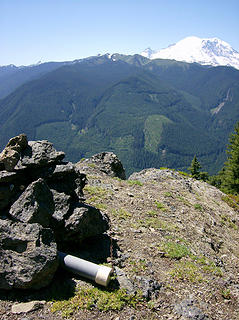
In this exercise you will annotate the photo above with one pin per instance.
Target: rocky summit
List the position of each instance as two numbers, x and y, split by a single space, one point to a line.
172 240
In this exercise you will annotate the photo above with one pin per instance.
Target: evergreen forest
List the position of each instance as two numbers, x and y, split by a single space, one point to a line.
150 113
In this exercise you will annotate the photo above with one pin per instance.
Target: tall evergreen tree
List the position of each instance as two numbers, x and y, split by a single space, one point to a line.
230 180
195 168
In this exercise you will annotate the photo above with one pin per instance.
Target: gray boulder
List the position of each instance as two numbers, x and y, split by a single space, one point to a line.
10 156
18 143
28 255
124 282
106 162
34 205
40 153
85 222
63 203
68 179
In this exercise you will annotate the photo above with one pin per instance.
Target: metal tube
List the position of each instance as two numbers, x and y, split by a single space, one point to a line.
99 274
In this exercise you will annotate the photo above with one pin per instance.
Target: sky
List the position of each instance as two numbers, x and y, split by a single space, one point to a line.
65 30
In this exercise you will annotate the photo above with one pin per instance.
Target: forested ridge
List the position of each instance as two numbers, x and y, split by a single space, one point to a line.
151 113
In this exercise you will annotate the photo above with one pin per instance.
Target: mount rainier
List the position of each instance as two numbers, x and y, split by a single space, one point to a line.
211 51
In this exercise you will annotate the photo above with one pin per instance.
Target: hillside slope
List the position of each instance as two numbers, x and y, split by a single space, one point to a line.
12 77
168 228
150 113
177 231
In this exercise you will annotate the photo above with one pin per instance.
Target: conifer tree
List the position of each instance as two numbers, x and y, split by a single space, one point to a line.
230 180
195 168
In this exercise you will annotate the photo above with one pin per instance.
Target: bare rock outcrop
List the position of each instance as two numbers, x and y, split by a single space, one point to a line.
105 162
40 208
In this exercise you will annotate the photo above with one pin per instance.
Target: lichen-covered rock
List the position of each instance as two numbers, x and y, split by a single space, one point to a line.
10 156
18 143
34 205
28 255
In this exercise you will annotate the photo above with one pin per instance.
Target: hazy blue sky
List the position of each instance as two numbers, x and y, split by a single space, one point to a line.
57 30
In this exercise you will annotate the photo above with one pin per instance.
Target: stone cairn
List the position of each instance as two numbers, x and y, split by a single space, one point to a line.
41 208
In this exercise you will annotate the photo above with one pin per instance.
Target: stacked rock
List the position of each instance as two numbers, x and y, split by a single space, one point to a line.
41 208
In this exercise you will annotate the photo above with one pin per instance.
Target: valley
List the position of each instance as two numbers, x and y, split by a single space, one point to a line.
151 113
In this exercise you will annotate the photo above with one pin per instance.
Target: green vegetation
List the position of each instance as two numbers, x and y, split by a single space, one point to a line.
189 267
160 206
198 206
134 182
153 128
138 266
167 194
152 213
185 174
187 270
185 201
195 269
156 223
232 201
100 206
174 250
121 214
195 170
226 293
97 196
95 298
230 176
226 220
207 265
97 191
92 165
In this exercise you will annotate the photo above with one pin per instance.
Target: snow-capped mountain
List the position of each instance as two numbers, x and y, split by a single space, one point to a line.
211 51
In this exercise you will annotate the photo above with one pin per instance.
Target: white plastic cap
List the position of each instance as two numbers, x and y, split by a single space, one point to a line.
103 275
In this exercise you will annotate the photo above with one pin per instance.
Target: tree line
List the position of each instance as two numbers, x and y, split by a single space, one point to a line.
228 177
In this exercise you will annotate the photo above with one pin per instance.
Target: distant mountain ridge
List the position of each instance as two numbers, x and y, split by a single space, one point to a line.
211 51
151 113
